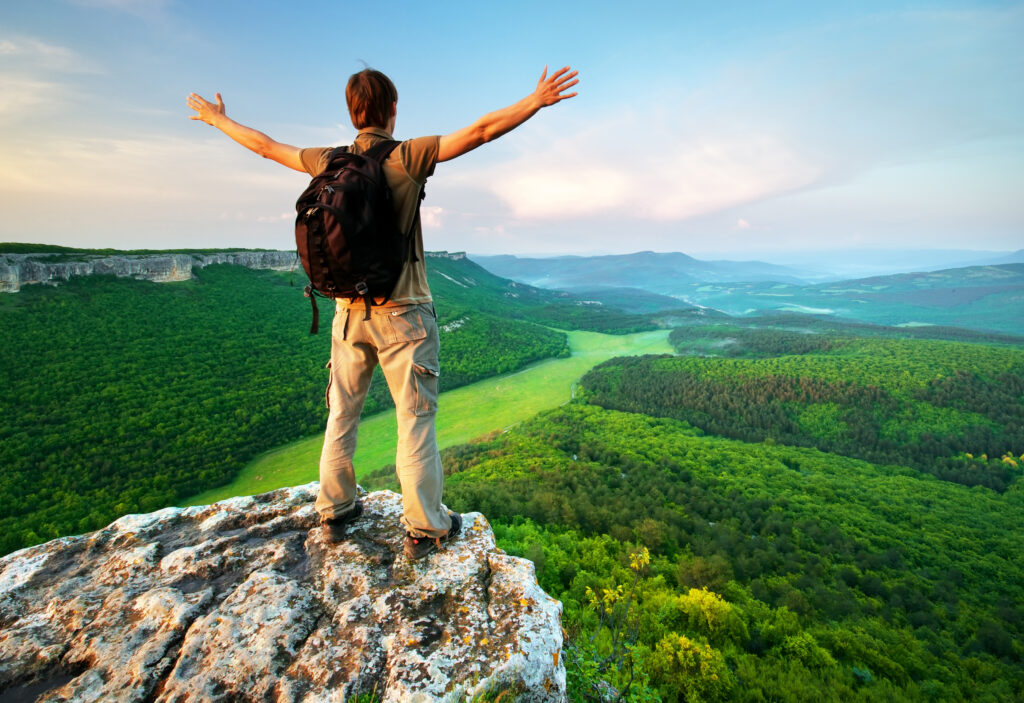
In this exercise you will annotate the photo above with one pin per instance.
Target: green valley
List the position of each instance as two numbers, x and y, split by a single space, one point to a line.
465 413
126 396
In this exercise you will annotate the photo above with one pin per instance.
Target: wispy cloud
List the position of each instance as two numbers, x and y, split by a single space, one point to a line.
22 53
812 111
432 216
37 74
673 175
159 178
20 94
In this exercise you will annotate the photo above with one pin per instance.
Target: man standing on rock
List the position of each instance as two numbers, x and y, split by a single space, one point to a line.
401 334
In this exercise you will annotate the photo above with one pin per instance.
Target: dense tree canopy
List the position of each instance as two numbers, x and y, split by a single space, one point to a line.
789 573
952 409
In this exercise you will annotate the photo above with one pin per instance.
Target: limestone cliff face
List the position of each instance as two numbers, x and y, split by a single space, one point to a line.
17 270
249 600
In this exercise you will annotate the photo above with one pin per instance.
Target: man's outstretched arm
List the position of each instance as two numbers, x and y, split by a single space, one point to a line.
492 125
284 154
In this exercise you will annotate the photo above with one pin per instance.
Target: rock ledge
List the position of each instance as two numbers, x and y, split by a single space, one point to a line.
17 270
248 599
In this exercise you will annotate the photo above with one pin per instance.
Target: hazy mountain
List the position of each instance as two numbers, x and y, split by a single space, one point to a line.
988 295
1016 257
662 273
975 297
844 264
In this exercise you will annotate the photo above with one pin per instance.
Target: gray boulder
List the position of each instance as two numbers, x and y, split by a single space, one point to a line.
249 600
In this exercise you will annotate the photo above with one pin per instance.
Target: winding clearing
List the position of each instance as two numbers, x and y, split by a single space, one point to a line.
465 413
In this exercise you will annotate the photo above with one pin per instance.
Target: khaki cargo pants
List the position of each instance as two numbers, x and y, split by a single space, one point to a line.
403 340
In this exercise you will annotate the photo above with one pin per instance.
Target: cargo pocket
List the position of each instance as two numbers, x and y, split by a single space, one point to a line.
330 380
406 324
340 320
426 390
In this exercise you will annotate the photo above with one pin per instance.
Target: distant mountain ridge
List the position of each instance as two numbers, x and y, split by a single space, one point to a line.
986 298
982 297
662 272
1016 257
652 271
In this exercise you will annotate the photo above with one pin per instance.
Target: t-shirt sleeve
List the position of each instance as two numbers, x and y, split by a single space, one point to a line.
314 160
419 156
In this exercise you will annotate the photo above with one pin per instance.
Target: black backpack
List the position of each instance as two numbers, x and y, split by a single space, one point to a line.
346 231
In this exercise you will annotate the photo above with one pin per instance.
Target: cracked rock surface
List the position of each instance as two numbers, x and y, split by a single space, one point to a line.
251 600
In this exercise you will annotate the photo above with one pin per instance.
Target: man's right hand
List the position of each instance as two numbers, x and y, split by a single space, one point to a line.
549 90
205 110
254 140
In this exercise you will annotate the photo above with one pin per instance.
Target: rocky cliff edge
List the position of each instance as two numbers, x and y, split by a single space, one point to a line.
249 599
17 270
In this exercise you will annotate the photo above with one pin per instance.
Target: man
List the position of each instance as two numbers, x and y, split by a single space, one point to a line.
401 335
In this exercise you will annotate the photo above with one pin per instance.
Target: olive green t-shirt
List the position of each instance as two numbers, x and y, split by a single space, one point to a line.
407 170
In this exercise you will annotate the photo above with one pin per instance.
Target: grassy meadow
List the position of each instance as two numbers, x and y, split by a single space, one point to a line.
465 413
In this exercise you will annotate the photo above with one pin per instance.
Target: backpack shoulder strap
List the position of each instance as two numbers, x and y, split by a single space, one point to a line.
381 150
334 154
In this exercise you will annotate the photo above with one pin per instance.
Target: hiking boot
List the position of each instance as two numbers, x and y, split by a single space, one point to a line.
335 526
419 547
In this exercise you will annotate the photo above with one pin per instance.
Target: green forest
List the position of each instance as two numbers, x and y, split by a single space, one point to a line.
951 409
125 396
775 573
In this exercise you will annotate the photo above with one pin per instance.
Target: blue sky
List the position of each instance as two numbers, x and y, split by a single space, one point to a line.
730 129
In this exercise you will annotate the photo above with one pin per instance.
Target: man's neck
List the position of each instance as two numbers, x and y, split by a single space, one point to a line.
377 131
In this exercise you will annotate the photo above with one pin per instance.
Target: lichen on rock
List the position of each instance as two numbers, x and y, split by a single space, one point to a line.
249 599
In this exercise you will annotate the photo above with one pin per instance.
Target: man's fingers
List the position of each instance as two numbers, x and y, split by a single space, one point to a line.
565 79
554 85
566 86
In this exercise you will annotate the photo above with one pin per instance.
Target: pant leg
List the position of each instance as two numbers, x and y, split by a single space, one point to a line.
351 368
410 365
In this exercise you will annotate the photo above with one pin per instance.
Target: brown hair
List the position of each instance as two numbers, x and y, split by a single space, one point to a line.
371 97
